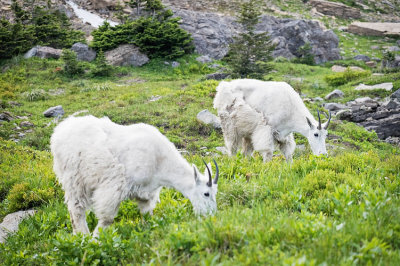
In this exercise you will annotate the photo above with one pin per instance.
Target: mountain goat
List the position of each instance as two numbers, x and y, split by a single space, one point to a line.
242 124
282 109
100 163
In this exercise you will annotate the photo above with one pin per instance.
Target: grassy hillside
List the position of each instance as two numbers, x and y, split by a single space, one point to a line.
342 209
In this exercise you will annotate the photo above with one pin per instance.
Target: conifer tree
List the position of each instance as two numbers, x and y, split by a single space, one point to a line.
249 53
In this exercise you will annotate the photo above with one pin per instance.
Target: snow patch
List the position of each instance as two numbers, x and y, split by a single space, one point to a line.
88 17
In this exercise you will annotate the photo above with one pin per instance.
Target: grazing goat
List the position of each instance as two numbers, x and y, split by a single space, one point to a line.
242 124
100 163
282 109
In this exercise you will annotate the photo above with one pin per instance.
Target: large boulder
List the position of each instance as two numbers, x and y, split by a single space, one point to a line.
382 117
212 33
126 55
43 52
83 52
335 9
375 28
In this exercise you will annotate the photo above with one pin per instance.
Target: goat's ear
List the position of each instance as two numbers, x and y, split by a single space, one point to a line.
196 174
309 123
205 170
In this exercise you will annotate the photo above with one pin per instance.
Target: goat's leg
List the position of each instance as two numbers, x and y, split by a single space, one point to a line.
106 206
231 145
287 146
247 147
263 141
77 216
148 205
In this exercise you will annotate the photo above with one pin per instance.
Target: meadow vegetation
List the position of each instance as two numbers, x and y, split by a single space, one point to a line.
336 210
342 209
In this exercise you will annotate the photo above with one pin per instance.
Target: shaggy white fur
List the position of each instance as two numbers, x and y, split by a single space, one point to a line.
100 163
274 106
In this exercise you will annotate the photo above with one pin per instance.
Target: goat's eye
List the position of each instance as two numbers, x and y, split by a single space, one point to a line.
207 194
316 134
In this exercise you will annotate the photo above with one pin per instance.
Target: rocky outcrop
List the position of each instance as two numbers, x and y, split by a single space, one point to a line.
43 52
83 52
391 63
382 117
126 55
213 32
375 29
335 9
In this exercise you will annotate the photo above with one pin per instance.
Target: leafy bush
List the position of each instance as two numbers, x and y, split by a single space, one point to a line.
101 67
342 78
156 36
305 55
41 26
72 66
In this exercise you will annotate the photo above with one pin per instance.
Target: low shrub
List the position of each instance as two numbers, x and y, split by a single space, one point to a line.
342 78
156 36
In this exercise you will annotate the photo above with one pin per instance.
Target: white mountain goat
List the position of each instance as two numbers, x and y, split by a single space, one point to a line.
242 124
100 163
281 107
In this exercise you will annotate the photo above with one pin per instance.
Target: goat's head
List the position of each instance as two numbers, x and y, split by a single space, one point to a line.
204 193
317 135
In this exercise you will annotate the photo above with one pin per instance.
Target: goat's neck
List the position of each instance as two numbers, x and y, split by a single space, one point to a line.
181 179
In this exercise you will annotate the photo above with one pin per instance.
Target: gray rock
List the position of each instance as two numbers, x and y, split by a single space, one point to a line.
318 99
208 118
43 52
54 111
222 150
383 118
334 94
371 63
398 42
388 86
175 64
393 49
126 55
204 59
83 52
343 114
391 64
213 32
335 9
26 124
217 76
6 116
11 222
375 47
362 57
396 95
335 106
392 104
337 68
365 100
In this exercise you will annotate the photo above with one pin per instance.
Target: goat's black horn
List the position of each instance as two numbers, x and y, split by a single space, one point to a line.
319 120
216 172
209 183
329 120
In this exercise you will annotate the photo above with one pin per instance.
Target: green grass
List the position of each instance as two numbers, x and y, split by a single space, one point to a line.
342 209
